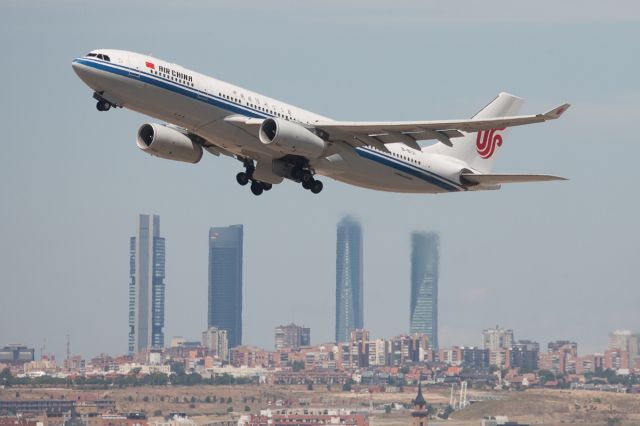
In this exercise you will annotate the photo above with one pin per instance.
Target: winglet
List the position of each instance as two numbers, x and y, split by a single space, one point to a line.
556 112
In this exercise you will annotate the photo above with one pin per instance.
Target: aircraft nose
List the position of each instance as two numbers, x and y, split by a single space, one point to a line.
75 65
82 71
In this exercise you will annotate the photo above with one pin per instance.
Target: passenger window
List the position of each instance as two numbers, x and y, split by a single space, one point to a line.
106 58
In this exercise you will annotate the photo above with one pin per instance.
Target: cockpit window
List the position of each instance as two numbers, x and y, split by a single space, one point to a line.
91 55
101 56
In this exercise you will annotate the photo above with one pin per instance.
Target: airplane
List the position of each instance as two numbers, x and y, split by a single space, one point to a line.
277 141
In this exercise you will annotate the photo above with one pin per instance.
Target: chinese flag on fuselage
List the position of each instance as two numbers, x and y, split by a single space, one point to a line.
150 65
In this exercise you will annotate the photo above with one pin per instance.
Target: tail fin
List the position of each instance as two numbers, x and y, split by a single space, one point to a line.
478 149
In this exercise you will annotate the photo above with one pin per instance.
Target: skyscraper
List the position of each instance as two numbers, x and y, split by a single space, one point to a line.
349 309
225 281
146 285
424 285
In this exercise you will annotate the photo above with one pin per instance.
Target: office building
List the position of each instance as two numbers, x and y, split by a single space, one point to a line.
627 341
16 354
349 287
424 285
216 342
146 285
225 281
524 355
475 358
292 336
497 338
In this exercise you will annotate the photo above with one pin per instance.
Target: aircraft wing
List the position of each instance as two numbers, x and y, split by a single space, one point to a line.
497 179
378 133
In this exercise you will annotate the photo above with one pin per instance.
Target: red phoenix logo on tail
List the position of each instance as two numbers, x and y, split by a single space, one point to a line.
487 141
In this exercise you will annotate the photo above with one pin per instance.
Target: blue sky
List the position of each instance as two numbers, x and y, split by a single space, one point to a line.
550 260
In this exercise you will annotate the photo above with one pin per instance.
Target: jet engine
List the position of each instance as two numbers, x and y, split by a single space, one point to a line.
291 138
165 142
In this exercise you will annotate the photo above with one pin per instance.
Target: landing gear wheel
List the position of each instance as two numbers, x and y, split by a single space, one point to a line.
256 188
103 106
267 186
242 178
307 184
317 186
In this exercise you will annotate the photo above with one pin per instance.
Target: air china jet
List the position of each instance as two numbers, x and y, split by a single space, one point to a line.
275 140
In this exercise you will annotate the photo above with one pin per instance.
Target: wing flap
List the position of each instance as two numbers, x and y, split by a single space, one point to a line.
497 179
426 130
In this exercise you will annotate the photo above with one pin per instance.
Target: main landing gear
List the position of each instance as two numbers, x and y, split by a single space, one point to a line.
257 187
307 180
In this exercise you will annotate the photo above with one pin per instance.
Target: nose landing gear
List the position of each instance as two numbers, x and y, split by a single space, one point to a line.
102 104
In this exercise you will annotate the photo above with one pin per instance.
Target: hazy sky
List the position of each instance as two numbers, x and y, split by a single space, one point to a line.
550 260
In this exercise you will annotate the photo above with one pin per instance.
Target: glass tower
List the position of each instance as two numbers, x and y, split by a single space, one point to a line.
146 285
225 281
349 312
424 285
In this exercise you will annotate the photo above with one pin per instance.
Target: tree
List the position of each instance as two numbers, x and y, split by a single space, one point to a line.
146 398
546 376
347 387
207 400
247 408
229 409
6 378
177 368
229 400
310 386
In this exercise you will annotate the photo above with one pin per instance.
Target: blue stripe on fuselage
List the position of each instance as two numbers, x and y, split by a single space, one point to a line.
394 163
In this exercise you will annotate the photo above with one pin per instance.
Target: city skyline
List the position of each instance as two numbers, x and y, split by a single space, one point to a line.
146 285
515 257
349 278
225 281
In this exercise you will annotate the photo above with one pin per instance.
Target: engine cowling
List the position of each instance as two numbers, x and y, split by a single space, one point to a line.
165 142
287 137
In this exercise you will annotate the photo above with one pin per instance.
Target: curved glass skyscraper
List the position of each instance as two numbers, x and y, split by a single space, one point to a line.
424 285
349 312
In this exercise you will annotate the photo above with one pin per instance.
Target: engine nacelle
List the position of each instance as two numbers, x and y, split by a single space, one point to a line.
165 142
287 137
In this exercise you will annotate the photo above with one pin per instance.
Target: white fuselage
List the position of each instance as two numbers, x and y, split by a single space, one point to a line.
200 104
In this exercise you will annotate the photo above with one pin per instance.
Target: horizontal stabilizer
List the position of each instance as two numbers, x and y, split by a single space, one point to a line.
494 179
